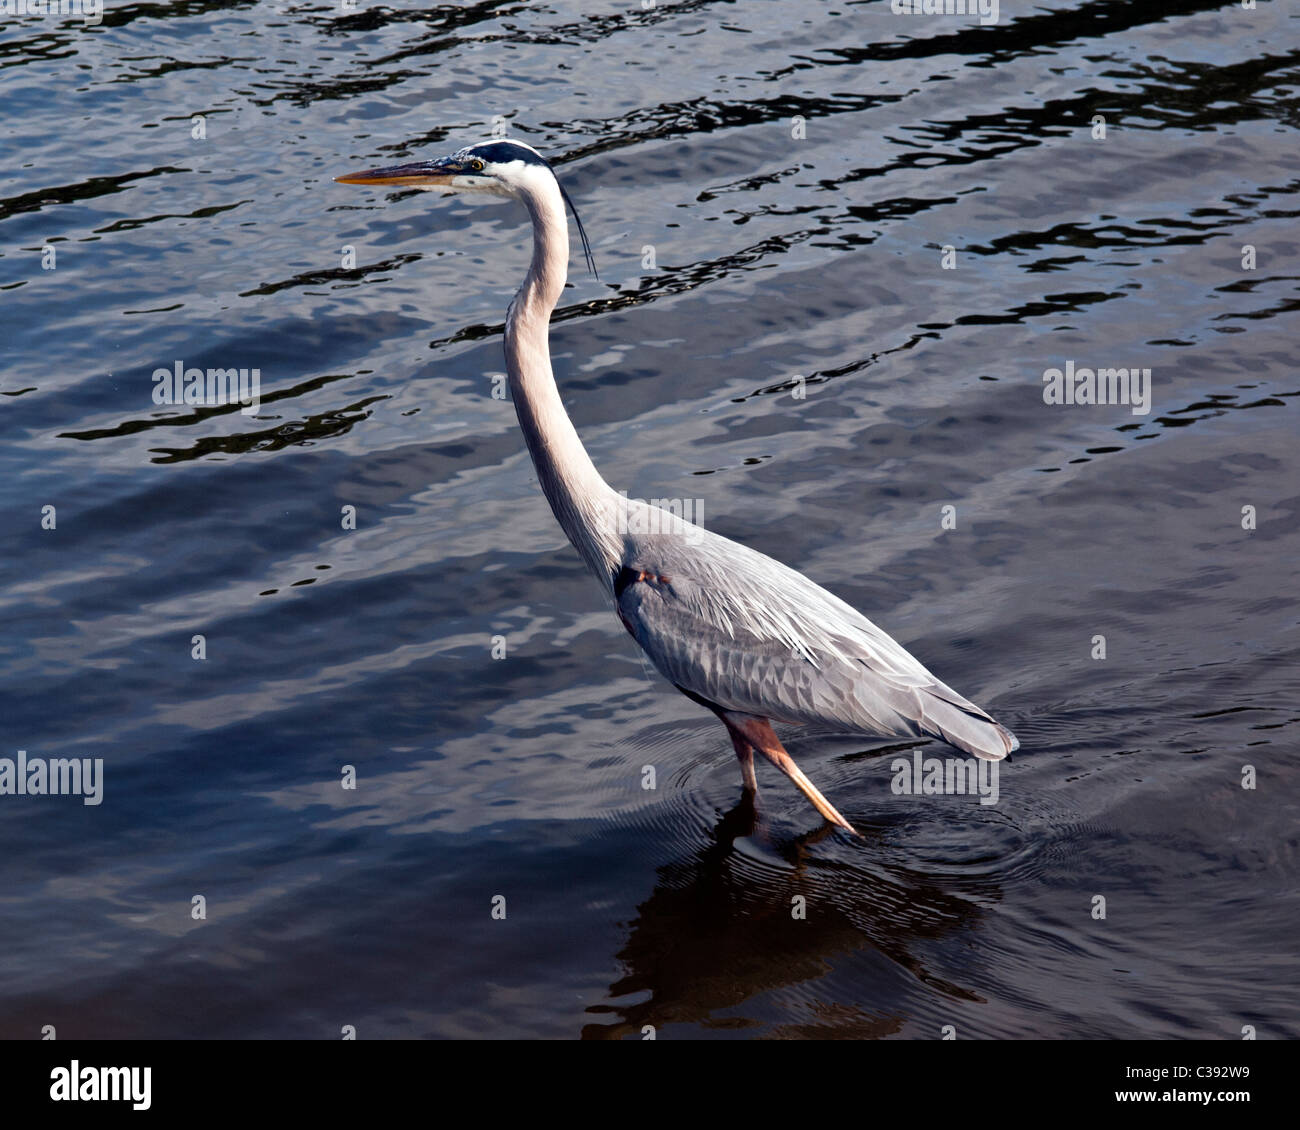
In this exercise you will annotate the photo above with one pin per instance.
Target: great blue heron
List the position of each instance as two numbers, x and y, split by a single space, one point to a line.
732 629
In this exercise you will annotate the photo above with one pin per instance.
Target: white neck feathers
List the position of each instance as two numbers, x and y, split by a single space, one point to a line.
584 504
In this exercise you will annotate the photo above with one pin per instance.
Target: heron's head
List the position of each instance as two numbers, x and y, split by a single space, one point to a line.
495 168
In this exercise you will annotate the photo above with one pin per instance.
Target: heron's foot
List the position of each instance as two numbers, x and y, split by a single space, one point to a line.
826 828
749 734
785 763
768 745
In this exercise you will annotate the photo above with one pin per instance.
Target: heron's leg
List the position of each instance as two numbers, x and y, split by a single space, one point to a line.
745 752
760 735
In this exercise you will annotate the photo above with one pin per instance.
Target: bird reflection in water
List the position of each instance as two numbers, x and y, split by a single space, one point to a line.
718 931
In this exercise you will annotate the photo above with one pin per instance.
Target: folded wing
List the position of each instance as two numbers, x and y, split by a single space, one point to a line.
741 630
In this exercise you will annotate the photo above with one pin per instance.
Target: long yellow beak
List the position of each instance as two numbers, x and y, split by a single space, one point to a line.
412 176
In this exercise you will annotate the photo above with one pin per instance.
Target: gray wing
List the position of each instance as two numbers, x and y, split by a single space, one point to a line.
741 630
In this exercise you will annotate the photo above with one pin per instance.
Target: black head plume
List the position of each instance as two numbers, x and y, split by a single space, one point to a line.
586 247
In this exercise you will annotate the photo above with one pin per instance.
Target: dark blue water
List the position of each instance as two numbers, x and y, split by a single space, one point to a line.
780 251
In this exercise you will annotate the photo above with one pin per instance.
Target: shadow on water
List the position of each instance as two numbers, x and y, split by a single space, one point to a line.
726 925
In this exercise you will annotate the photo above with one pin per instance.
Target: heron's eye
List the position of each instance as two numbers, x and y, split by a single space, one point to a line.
476 165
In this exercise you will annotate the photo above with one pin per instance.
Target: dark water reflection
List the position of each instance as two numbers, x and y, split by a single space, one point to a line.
780 264
726 926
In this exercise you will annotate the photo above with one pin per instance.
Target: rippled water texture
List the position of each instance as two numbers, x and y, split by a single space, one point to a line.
735 257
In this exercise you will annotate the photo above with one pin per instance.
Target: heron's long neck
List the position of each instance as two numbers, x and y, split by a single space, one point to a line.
583 502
